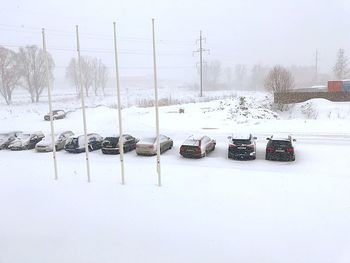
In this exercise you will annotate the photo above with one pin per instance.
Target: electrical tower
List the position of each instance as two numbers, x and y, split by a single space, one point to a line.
200 51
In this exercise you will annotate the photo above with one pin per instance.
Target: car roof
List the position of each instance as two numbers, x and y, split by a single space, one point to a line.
193 140
281 137
241 136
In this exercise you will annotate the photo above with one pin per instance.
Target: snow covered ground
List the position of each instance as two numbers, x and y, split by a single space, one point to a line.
208 210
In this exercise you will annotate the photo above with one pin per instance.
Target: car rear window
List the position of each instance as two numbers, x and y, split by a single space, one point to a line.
112 139
280 143
241 141
192 142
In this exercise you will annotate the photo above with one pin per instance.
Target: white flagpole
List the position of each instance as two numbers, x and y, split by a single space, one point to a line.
50 105
156 105
83 106
121 147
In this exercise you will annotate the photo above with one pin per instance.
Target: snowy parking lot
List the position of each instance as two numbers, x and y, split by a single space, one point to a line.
208 210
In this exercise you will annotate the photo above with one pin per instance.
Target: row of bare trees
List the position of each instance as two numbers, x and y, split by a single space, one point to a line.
94 75
26 69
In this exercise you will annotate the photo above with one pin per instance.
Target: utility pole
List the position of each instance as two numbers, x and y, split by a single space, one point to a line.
200 50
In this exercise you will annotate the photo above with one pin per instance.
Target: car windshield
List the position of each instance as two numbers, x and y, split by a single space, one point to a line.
281 143
112 139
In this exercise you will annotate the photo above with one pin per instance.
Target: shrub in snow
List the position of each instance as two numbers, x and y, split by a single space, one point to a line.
309 110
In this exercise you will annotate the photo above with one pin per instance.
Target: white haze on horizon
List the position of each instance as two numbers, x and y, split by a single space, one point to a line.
237 32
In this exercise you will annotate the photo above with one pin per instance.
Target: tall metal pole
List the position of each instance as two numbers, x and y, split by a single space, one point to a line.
121 147
83 107
201 63
316 66
50 105
156 104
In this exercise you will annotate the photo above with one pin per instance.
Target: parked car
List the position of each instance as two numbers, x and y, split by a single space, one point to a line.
197 147
77 144
148 146
45 145
110 145
280 149
7 138
242 147
56 115
26 141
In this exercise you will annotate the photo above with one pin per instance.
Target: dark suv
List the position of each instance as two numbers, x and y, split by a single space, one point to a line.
110 145
242 147
280 149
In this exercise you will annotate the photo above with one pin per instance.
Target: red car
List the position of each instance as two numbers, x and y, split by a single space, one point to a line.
197 147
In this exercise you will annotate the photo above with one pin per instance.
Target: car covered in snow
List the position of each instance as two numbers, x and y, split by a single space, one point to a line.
7 138
110 145
197 147
56 115
76 144
148 146
242 147
280 148
26 141
45 145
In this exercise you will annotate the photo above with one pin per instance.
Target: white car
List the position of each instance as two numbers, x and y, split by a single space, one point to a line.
26 141
45 145
148 146
7 138
56 115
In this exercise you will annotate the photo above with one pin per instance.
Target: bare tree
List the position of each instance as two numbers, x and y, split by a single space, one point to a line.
258 75
88 74
33 70
211 73
241 72
103 75
72 74
279 79
340 68
9 73
228 75
100 76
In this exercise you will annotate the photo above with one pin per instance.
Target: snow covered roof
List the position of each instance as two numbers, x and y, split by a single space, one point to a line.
241 136
281 137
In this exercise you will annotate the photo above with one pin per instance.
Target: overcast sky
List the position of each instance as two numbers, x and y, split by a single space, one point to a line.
237 31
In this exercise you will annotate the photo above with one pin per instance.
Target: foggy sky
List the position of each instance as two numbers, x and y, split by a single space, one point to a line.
237 32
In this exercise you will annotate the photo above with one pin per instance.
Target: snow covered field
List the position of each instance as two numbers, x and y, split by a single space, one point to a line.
208 210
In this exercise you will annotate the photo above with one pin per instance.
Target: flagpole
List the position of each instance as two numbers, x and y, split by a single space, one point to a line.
83 107
50 105
156 105
121 143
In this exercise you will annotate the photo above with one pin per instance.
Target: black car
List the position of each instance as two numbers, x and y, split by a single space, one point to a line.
242 147
56 115
110 145
280 149
77 144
